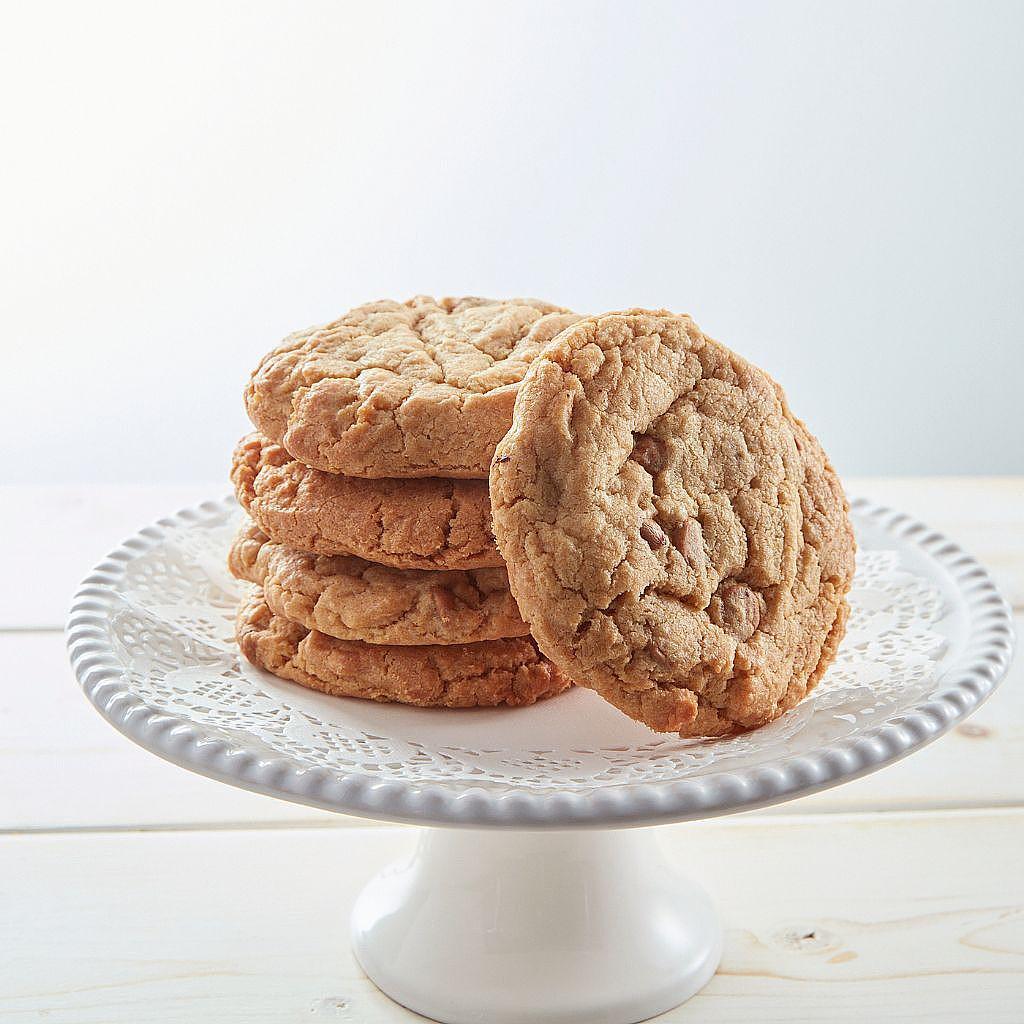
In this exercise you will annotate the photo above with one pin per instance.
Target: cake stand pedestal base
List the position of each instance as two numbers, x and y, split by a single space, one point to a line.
506 927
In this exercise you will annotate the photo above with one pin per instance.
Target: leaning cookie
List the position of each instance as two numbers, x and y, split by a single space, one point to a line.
412 524
489 674
674 536
402 389
352 599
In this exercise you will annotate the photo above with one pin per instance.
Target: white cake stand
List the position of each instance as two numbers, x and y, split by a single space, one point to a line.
541 906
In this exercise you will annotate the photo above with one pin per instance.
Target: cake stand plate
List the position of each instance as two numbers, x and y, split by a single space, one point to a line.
540 902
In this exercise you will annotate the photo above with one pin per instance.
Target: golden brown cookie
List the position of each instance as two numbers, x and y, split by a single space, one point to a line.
675 538
412 524
487 674
352 599
402 389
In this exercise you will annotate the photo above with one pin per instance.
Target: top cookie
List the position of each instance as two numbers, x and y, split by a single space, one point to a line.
402 389
674 537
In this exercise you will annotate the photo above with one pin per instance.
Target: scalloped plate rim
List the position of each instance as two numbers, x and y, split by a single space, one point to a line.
971 679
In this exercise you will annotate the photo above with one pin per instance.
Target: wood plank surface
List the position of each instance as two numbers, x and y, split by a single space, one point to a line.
899 917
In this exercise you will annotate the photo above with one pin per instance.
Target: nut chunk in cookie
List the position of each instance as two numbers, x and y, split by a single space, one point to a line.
675 538
402 389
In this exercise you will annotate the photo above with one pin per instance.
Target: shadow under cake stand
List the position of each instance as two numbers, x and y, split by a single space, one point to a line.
532 896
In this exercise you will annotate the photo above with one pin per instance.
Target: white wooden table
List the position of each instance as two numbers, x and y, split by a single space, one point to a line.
131 890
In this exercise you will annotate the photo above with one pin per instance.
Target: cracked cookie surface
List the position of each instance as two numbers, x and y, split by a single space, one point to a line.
674 536
412 524
402 389
352 599
487 674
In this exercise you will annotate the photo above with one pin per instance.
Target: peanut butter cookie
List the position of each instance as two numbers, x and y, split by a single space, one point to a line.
413 524
674 536
402 389
487 674
352 599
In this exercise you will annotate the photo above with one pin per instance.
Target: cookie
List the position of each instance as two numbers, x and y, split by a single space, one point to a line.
412 524
402 389
486 674
352 599
674 536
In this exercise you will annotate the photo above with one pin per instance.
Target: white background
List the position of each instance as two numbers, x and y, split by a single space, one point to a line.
833 189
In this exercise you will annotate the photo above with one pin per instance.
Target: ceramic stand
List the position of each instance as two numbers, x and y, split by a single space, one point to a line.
582 927
529 899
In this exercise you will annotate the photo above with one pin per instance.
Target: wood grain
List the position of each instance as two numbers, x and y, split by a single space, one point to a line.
845 918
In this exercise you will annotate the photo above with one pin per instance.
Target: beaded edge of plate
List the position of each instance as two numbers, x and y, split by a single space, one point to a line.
971 679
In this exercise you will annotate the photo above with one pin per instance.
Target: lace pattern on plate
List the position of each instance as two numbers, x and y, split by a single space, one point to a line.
174 636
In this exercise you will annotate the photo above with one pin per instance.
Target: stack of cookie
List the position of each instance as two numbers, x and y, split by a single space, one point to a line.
369 545
665 530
